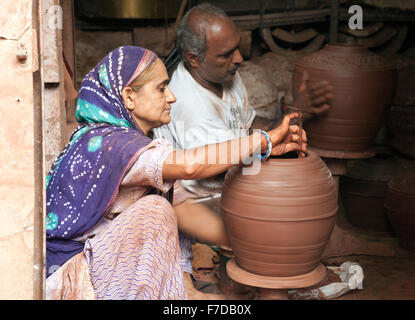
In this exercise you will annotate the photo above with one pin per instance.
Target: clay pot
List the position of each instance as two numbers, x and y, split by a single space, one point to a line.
401 125
280 220
363 89
363 191
400 206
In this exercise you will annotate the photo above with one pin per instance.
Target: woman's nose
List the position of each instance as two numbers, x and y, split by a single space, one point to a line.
170 98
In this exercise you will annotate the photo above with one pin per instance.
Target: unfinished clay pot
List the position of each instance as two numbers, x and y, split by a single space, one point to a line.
280 220
401 129
363 89
363 191
400 205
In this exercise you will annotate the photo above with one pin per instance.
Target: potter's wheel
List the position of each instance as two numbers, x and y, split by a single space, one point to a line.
275 287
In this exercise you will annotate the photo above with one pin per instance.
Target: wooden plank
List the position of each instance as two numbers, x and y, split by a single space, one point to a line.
250 22
52 40
55 123
334 21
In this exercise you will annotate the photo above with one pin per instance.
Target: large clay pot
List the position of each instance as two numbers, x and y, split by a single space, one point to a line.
400 205
363 89
280 220
363 191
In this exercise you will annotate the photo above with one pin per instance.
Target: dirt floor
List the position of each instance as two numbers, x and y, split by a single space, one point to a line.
387 276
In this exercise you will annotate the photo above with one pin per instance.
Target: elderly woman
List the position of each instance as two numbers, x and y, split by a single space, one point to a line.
112 231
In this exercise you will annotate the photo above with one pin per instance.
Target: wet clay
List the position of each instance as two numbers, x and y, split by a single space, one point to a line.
280 220
400 206
363 89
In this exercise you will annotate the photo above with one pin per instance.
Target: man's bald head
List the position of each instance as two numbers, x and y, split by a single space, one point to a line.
191 34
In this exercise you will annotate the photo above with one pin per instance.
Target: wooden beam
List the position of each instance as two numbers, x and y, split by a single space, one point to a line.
334 21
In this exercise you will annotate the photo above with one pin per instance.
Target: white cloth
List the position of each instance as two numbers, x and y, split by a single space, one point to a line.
199 117
351 276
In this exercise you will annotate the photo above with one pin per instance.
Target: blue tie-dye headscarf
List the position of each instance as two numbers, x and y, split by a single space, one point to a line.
85 177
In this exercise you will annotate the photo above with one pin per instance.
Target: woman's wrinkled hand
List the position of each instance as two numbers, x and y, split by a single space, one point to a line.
286 137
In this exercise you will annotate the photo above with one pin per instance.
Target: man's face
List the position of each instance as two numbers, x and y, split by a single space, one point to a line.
222 56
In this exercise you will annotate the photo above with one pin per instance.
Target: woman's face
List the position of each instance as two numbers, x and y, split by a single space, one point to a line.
150 105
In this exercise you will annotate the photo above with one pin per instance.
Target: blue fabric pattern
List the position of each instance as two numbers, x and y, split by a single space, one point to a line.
85 177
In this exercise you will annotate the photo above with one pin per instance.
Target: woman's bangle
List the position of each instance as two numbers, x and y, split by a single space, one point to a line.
269 146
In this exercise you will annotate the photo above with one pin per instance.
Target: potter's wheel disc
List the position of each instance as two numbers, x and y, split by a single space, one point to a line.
302 281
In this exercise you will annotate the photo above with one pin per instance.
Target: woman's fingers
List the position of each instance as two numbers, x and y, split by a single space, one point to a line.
288 117
296 138
289 146
294 129
283 130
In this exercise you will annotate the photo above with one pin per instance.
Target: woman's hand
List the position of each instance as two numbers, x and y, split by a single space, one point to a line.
207 161
286 137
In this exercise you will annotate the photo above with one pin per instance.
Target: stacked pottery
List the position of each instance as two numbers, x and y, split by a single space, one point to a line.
363 191
363 90
401 117
400 206
280 220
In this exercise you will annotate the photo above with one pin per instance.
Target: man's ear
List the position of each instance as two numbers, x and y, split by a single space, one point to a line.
126 94
192 59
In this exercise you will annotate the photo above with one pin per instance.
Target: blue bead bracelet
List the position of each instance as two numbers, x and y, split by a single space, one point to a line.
269 146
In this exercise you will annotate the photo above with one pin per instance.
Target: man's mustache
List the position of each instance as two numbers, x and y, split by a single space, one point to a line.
234 68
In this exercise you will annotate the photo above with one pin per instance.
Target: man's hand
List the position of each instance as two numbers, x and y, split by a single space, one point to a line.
315 99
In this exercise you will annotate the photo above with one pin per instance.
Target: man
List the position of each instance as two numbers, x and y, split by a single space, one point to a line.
212 104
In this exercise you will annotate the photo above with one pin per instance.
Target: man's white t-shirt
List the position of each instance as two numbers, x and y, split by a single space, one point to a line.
199 117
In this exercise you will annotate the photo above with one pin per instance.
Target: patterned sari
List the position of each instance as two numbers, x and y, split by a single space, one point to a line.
137 256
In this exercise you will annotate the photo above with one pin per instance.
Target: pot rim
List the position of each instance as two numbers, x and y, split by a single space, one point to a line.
309 155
